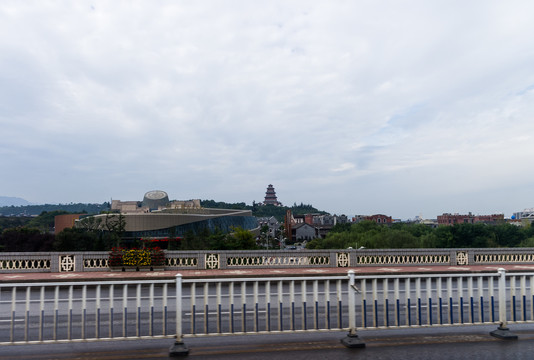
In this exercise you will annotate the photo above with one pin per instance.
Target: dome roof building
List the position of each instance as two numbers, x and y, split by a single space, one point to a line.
155 199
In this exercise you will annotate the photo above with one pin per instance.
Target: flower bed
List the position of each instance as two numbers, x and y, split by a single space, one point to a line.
138 259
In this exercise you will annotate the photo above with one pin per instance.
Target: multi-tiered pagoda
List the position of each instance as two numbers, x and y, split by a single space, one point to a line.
270 197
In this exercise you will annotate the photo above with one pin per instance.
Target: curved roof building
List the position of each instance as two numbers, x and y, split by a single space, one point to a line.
157 217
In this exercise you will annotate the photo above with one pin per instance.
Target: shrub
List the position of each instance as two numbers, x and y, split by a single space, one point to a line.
136 257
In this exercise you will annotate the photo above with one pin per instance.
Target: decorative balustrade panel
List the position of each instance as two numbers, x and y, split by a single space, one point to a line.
91 261
504 258
181 262
21 264
29 262
67 263
277 260
403 259
96 263
342 259
462 258
212 261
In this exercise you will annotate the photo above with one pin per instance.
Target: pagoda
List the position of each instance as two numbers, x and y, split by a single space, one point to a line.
270 197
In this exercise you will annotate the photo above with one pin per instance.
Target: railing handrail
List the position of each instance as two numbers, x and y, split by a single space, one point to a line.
442 275
264 279
84 282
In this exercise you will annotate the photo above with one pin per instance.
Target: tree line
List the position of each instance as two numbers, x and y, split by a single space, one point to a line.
260 210
238 239
35 234
35 210
25 233
413 236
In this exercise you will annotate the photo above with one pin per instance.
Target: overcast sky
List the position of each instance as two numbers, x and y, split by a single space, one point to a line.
402 108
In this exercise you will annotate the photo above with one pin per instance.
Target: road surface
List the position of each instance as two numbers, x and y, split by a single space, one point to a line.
414 344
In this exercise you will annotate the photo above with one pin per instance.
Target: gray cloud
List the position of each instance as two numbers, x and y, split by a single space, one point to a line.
355 107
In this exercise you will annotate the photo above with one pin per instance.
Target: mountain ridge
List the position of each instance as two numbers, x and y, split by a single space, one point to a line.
13 201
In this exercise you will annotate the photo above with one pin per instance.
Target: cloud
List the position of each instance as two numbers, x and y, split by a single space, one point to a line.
343 167
327 101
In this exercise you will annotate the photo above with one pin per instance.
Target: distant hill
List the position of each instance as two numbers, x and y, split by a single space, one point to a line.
13 201
34 210
258 210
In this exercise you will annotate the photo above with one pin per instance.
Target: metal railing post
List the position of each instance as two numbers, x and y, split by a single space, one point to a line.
352 340
502 331
502 298
352 304
178 348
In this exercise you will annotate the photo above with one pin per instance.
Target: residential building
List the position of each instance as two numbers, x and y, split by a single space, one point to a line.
272 224
329 220
379 219
303 232
358 218
453 219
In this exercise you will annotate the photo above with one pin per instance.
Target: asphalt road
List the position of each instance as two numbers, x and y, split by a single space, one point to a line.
414 344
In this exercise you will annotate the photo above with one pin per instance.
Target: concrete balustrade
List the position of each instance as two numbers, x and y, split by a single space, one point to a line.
202 260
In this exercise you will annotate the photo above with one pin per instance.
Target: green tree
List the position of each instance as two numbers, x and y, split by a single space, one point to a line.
444 238
332 241
374 236
217 240
340 227
7 222
45 221
508 235
72 239
470 235
429 241
26 239
241 239
528 242
115 225
90 223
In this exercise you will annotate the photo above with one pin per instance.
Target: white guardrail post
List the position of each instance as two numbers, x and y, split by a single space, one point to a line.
352 340
178 348
502 331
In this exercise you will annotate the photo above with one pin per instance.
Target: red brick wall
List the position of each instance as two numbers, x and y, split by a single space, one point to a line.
380 219
61 222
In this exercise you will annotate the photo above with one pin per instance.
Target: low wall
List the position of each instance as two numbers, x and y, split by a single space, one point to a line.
202 260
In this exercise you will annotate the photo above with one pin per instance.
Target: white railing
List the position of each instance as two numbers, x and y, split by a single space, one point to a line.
91 311
239 306
400 301
86 311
